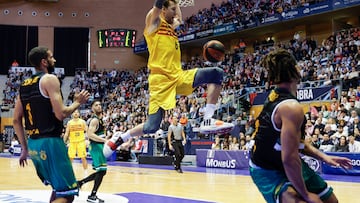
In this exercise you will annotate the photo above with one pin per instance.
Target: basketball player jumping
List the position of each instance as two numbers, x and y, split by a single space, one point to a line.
167 78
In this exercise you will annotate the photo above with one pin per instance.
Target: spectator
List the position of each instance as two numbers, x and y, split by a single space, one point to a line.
354 146
183 120
315 141
249 142
225 144
234 144
309 128
353 115
243 144
15 64
14 142
318 124
326 144
217 144
340 132
342 146
248 130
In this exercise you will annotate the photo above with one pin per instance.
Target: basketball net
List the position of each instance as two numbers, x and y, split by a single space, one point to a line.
186 3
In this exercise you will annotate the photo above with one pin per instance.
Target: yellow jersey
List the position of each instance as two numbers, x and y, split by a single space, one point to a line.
164 50
167 78
76 130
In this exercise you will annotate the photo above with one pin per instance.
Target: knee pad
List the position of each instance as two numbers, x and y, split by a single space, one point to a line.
210 75
218 75
150 128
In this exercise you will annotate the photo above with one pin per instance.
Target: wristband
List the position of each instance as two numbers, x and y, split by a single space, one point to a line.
159 4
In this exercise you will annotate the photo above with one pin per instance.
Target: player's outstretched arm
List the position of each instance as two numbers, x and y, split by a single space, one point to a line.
51 87
331 160
291 116
92 129
20 132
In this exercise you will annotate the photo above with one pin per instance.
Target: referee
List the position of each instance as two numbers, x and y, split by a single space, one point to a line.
177 140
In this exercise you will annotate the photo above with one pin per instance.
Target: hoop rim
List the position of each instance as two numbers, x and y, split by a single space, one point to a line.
186 3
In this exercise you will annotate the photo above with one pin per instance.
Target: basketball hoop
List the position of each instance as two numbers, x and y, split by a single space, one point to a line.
186 3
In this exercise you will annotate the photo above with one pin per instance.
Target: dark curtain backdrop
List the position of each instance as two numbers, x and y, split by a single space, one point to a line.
15 43
71 48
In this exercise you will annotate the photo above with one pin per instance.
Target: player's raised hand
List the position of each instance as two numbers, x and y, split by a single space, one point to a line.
82 97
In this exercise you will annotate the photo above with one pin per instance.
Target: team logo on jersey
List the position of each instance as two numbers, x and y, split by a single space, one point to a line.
313 163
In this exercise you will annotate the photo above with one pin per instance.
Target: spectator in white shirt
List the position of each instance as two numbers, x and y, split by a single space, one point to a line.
354 146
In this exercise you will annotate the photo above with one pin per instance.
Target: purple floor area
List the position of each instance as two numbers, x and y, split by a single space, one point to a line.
150 198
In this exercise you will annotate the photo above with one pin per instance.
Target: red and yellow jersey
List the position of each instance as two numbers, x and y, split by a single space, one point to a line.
166 79
76 130
164 50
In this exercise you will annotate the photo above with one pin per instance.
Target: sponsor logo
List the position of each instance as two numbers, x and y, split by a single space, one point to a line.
290 14
204 33
186 37
213 163
220 164
355 162
305 94
210 154
270 19
313 163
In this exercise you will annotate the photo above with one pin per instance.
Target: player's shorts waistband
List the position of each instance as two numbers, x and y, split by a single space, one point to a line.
43 136
252 165
156 72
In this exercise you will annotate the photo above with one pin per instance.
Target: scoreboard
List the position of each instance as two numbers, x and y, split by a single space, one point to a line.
116 38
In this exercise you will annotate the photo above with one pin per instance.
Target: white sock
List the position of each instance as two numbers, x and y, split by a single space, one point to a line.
126 136
209 110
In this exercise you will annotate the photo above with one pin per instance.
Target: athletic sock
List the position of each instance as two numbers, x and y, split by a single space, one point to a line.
209 111
93 193
126 136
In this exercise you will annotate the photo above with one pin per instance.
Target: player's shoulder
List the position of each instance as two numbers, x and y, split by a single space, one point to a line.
93 120
50 76
291 106
50 79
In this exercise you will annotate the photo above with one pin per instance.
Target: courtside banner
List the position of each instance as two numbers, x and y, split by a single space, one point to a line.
227 159
355 161
271 19
320 7
344 3
303 95
140 47
184 38
205 33
224 29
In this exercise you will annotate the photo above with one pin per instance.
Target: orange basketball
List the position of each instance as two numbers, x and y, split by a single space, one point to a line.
214 51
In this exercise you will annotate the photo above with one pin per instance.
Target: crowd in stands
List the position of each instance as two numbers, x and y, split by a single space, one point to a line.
335 60
242 12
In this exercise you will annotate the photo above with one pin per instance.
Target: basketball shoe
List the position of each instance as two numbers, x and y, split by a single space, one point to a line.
94 199
111 145
209 126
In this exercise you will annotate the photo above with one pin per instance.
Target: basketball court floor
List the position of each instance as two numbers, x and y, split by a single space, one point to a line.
140 183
